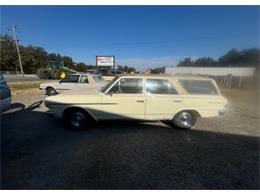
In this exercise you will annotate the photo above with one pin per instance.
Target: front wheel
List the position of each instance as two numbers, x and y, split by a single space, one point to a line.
184 119
77 119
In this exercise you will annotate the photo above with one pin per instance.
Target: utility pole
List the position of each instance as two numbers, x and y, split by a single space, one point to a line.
17 48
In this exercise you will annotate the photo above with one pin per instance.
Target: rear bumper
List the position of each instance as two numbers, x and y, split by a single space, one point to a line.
221 112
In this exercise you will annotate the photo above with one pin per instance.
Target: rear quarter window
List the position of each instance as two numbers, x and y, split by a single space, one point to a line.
199 87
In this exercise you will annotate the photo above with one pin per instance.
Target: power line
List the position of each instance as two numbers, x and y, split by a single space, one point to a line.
182 40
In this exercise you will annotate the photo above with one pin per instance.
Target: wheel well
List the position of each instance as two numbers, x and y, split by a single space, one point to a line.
193 111
73 109
49 87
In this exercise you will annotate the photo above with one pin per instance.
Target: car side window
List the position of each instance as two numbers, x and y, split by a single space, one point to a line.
199 87
159 86
128 86
70 79
84 79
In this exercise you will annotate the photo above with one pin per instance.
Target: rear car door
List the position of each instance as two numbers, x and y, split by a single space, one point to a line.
162 99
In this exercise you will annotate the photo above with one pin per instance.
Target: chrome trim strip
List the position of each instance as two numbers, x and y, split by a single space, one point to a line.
49 103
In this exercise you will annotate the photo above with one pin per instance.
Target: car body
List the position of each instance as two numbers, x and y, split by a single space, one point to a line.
89 82
143 97
5 95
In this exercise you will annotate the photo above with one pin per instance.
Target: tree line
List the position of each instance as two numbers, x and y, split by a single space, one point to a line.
233 58
33 57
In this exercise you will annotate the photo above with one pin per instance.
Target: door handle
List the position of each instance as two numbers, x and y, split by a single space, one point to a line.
140 101
177 100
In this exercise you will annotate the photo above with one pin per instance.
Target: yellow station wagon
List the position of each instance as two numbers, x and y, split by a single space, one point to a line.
142 97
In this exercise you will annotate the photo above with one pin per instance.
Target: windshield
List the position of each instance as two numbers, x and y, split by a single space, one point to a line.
103 90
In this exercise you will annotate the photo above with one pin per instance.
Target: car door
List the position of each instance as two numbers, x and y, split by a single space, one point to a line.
83 82
68 83
124 100
162 100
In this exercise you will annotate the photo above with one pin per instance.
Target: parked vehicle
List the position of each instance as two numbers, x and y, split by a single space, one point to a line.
74 81
179 100
109 74
5 95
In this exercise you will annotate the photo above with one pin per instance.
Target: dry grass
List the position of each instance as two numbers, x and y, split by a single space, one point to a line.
246 100
24 88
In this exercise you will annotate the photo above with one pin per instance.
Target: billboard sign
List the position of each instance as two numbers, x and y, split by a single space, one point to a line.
105 60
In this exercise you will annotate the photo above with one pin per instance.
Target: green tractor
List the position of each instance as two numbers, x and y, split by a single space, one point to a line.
54 71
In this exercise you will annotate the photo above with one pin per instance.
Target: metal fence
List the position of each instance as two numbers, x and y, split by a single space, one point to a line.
235 82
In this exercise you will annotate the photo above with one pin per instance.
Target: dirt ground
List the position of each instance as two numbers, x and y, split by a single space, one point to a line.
37 152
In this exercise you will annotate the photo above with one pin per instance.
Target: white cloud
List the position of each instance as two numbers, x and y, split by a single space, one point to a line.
143 63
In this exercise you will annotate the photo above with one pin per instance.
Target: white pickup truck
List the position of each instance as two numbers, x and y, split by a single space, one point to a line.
74 82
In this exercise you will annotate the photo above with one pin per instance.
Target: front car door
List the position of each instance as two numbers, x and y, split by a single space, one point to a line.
162 99
68 83
125 99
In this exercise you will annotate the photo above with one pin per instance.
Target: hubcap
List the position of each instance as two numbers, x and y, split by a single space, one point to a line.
185 119
52 91
77 119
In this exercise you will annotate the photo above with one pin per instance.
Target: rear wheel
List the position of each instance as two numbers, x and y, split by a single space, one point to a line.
51 91
184 119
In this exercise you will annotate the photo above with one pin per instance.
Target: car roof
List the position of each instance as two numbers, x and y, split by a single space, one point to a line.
166 76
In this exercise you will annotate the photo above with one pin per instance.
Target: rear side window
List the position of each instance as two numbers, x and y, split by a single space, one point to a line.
199 87
159 86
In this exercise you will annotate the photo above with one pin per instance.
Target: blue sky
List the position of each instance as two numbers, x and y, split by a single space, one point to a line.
140 36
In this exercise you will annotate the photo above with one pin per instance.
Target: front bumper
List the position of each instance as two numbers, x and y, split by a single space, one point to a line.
50 113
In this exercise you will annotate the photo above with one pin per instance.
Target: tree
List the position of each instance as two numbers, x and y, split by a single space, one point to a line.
33 58
8 54
233 58
186 62
126 69
67 61
158 70
204 62
55 57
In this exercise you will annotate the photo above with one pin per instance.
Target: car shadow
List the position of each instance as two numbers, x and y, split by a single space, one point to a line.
37 152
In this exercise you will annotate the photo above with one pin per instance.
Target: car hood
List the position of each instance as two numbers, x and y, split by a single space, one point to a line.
74 97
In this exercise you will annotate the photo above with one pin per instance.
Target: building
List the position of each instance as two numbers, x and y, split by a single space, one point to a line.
211 71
